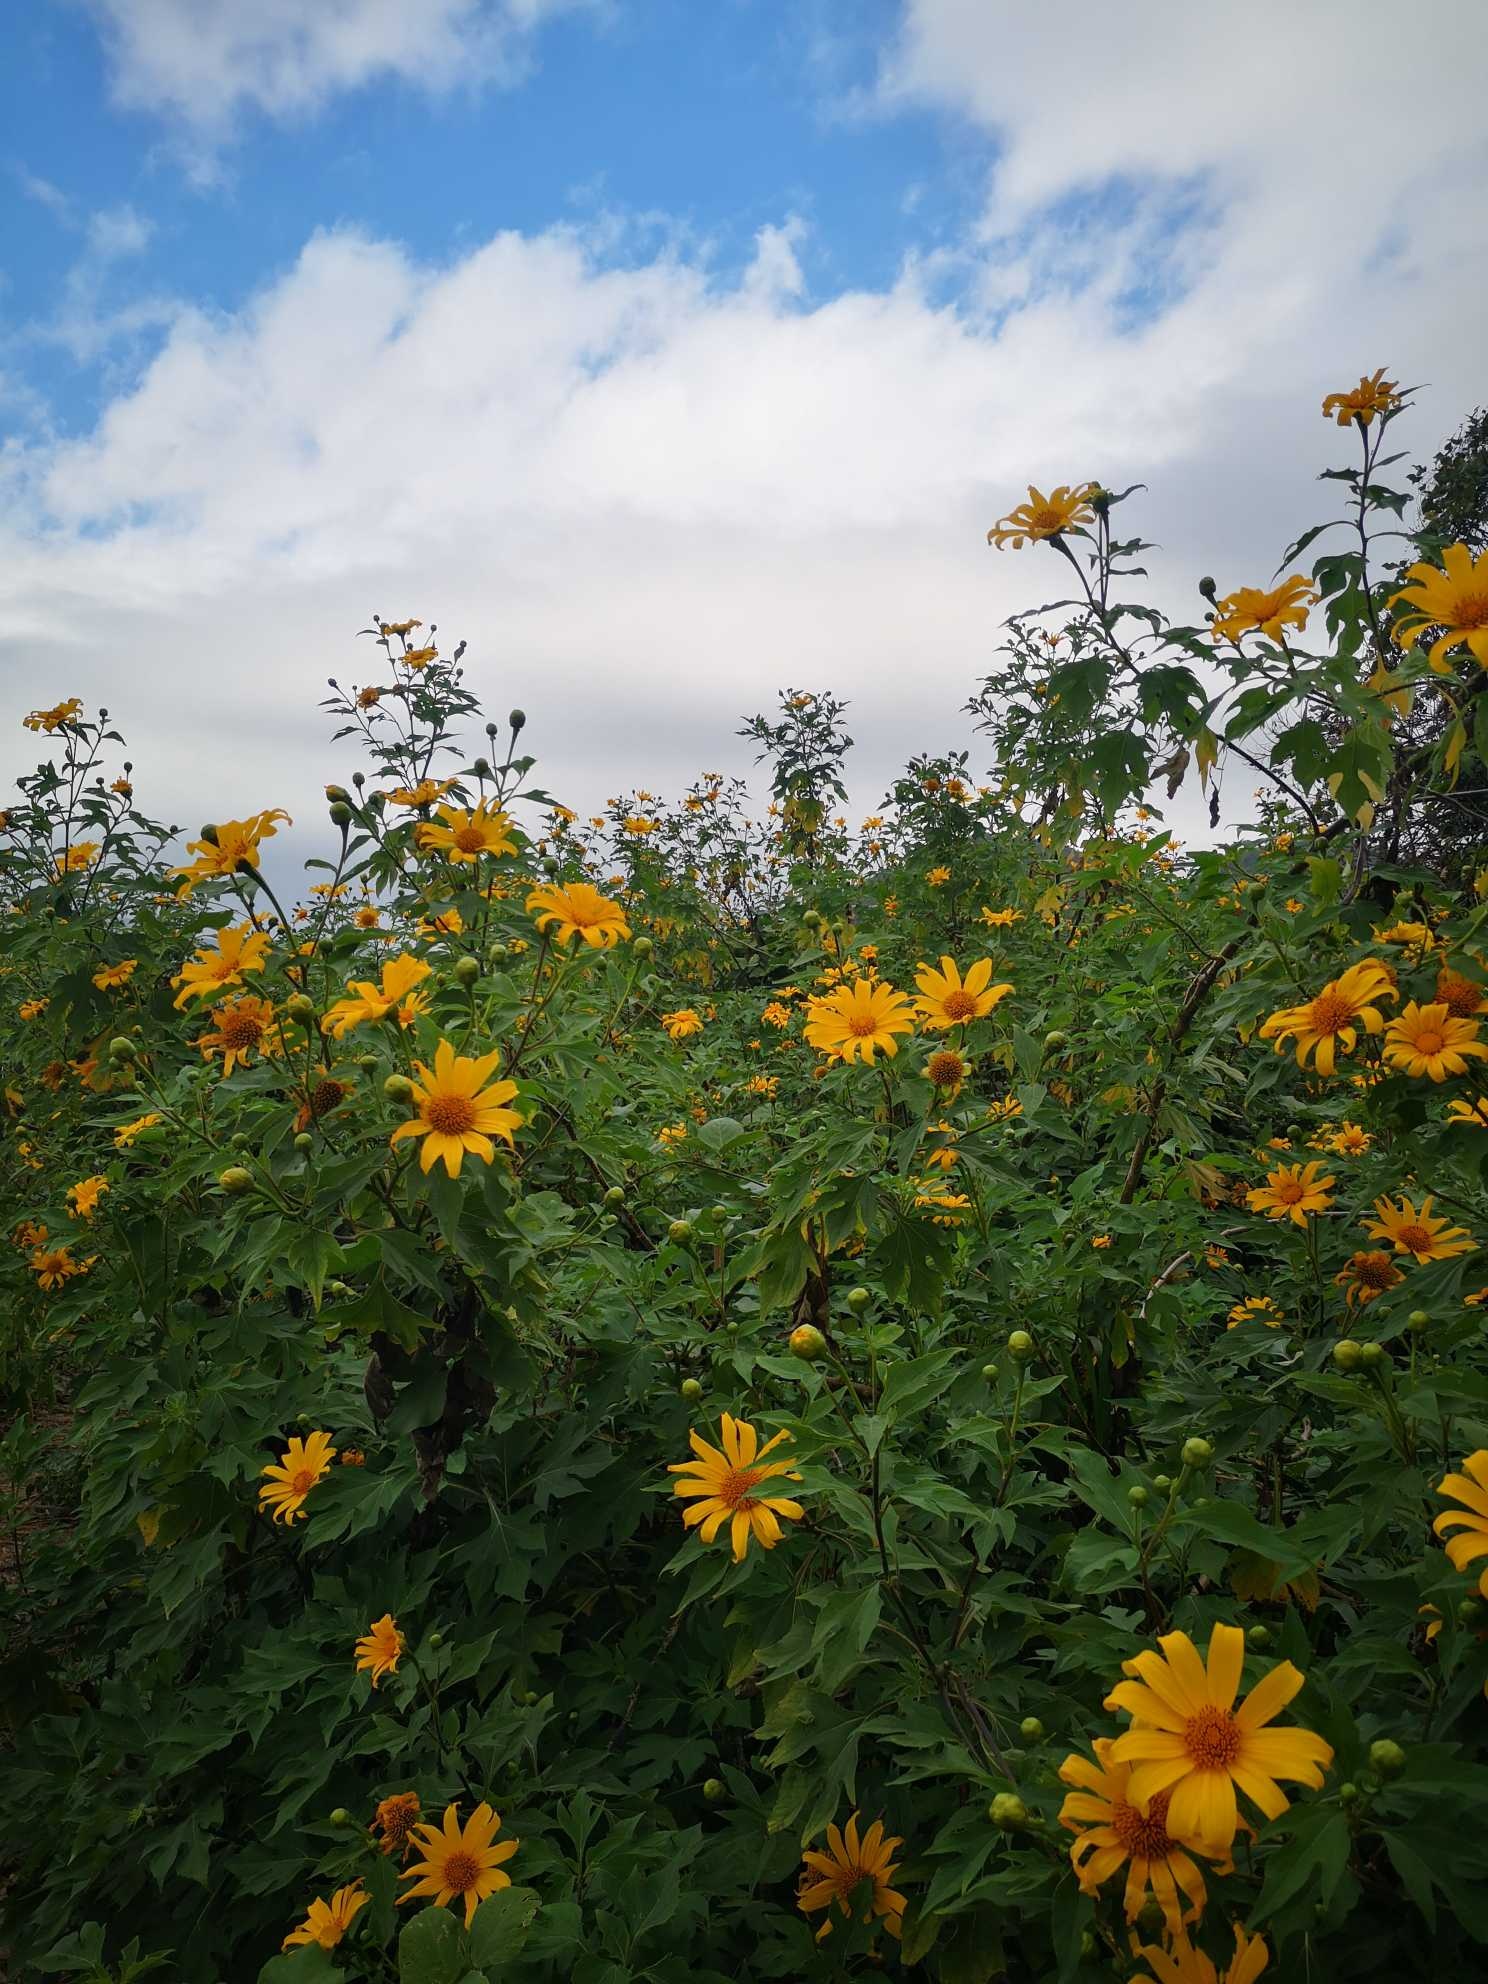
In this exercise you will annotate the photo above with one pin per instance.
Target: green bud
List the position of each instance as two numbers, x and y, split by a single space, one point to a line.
858 1298
989 1372
122 1049
642 949
1373 1355
1137 1496
1008 1812
209 834
615 1196
1162 1483
718 1214
691 1390
1150 1920
1058 1038
812 919
530 1698
369 1064
518 719
1347 1354
714 1790
1258 1636
1418 1320
1031 1729
496 954
398 1088
304 1141
1386 1757
467 971
1472 1612
1348 1794
482 768
1208 588
436 1640
340 1289
235 1179
808 1343
680 1232
1021 1347
340 814
1088 1944
1197 1453
240 1140
340 1817
301 1009
551 865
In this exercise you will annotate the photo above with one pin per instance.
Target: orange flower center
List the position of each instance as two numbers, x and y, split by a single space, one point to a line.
1460 996
240 1030
1289 1191
958 1006
450 1115
860 1025
461 1872
470 839
1329 1013
1471 610
1375 1270
326 1096
1143 1838
1212 1738
1417 1239
945 1070
734 1488
303 1480
1429 1041
1047 521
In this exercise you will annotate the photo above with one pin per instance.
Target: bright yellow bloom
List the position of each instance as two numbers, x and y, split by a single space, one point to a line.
946 1069
766 1085
366 917
242 1026
126 1133
239 949
394 1818
1415 936
938 877
1475 1113
776 1014
83 1197
1064 508
1291 1191
577 910
1335 1015
328 1922
109 977
858 1019
417 657
1001 919
52 720
442 923
1374 394
1366 1275
459 1863
423 794
380 1648
367 1002
1412 1232
32 1009
721 1485
1455 599
1426 1040
82 854
682 1024
1255 1309
671 1134
55 1266
456 1112
949 1206
1187 1737
1250 610
232 842
836 1875
1471 1489
398 627
1111 1833
287 1482
946 999
463 836
1181 1963
1349 1140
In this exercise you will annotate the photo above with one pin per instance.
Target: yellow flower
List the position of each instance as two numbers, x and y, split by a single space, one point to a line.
1349 1140
946 1069
1366 1275
1412 1232
1416 936
242 1025
858 1019
1100 1240
328 1922
368 699
1064 508
366 917
1455 599
1001 919
287 1482
682 1024
949 1206
837 1874
1472 1518
776 1015
766 1085
721 1485
394 1818
239 949
52 720
1255 1309
83 1197
423 794
938 877
1426 1040
1252 610
417 657
368 1002
578 910
55 1266
463 836
1475 1113
1112 1832
32 1009
459 1863
442 923
380 1648
1333 1016
126 1133
946 999
222 848
456 1112
109 977
671 1134
1462 996
1187 1737
1291 1192
1374 394
1181 1963
82 854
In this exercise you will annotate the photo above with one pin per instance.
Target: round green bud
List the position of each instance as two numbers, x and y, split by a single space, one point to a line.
340 814
304 1141
337 792
240 1140
467 971
530 1697
714 1790
435 1640
302 1419
551 865
691 1390
812 919
615 1196
1008 1812
1258 1636
1031 1729
1020 1347
1348 1794
235 1179
1208 588
1386 1757
1471 1612
1162 1483
518 719
718 1214
1197 1452
1347 1354
300 1009
209 834
1418 1320
340 1817
122 1049
482 768
1150 1921
858 1298
1137 1496
989 1372
398 1088
808 1343
340 1289
680 1232
1058 1038
642 949
496 954
369 1064
1373 1355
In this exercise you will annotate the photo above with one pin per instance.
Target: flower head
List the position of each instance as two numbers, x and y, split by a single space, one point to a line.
456 1111
380 1648
109 977
287 1482
1373 395
1471 1489
1454 598
465 836
1366 1275
578 910
423 794
1001 919
1475 1113
1252 610
1348 1140
1412 1232
682 1024
82 854
394 1819
1291 1191
1189 1739
83 1197
1181 1963
328 1922
1065 508
126 1133
1113 1832
55 1266
222 848
946 999
367 1003
1427 1040
721 1487
242 1026
836 1875
1255 1309
238 949
1330 1022
858 1019
56 718
459 1863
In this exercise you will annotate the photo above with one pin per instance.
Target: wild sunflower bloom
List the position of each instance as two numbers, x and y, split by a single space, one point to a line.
418 658
836 1874
947 999
394 1819
1462 996
721 1487
423 794
464 836
938 877
52 720
126 1133
243 1026
456 1111
1426 1040
1066 507
367 1003
1454 598
287 1482
1367 1275
459 1863
109 977
1349 1140
858 1019
682 1024
328 1922
1330 1022
1181 1963
1475 1113
1253 610
220 851
321 1098
1188 1738
82 854
32 1009
578 910
1412 1232
1374 394
54 1267
1291 1191
1001 919
239 949
380 1648
1471 1489
1112 1832
1255 1309
949 1207
83 1197
946 1069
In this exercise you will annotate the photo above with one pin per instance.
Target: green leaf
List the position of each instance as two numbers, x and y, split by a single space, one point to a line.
431 1950
909 1385
309 1964
501 1926
719 1132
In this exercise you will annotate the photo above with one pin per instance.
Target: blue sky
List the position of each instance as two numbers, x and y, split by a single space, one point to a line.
673 351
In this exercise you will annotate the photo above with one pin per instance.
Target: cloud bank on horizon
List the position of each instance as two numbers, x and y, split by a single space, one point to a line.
659 446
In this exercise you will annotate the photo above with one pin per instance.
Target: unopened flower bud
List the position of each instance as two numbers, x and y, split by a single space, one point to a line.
808 1343
301 1009
340 814
1386 1757
680 1232
615 1196
812 919
398 1088
1137 1496
1008 1812
1418 1320
1031 1729
208 834
691 1390
642 949
1197 1452
467 971
340 1817
304 1141
1021 1347
989 1372
714 1790
1208 588
334 792
1347 1354
1373 1355
235 1179
122 1049
1258 1636
518 720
